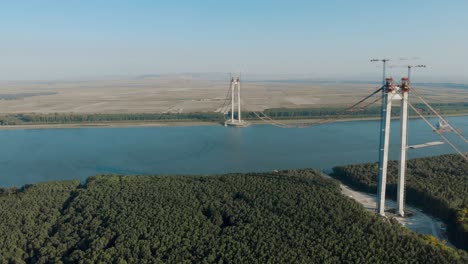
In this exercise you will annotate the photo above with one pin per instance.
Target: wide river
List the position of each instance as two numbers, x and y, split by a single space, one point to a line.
36 155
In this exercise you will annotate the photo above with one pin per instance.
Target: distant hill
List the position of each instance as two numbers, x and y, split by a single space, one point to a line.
319 81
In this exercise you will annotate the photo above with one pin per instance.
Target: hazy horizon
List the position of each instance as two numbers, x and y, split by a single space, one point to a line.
247 77
56 40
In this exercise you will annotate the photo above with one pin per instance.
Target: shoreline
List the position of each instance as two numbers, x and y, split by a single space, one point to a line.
420 222
129 124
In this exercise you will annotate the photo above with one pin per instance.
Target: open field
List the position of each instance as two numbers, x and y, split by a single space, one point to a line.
182 94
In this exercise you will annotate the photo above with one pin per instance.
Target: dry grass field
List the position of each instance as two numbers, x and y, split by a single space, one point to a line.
183 94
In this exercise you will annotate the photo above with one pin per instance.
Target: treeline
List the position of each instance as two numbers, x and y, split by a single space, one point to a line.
275 113
285 217
438 185
71 118
325 112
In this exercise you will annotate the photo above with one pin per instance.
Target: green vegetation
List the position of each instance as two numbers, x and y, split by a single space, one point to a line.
72 118
286 217
28 216
275 113
438 185
325 112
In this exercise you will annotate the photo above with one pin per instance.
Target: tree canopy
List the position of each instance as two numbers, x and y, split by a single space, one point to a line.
438 185
284 217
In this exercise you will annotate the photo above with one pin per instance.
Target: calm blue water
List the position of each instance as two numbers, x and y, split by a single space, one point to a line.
29 156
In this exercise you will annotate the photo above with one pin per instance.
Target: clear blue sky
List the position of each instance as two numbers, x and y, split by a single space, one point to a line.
325 39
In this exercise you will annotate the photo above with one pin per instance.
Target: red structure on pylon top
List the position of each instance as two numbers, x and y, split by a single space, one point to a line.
405 84
389 84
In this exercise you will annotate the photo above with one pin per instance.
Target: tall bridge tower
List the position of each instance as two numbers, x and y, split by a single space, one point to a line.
392 93
236 101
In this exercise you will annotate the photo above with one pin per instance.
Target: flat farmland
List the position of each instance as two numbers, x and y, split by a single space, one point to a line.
182 94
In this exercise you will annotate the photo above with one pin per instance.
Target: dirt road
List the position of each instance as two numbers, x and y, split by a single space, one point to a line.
419 222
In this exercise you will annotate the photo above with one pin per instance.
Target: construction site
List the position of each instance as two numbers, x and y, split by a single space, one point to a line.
185 94
386 95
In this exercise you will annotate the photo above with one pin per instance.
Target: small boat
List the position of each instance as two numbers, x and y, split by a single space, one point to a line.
428 144
443 126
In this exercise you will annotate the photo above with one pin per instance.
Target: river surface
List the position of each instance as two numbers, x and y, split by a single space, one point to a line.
37 155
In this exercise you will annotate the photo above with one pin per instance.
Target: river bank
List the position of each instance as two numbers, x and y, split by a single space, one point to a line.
34 155
418 222
117 124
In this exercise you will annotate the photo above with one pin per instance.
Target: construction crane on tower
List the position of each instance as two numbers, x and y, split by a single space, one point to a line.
391 92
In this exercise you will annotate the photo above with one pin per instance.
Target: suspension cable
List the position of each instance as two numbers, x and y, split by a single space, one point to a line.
441 117
364 99
226 99
271 121
439 133
371 103
261 115
329 120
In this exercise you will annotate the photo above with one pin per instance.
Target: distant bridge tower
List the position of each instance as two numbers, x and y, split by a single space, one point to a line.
392 93
236 100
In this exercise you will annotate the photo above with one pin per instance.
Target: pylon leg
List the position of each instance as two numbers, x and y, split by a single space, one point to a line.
402 159
233 86
238 101
383 158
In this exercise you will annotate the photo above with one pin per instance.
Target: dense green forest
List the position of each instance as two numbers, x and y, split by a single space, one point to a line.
438 185
276 113
28 216
285 217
